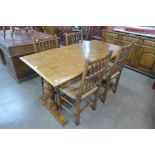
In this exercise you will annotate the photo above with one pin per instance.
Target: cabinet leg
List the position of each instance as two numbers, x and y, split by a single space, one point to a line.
2 56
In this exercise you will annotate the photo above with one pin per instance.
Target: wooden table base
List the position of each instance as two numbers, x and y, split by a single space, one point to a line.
48 100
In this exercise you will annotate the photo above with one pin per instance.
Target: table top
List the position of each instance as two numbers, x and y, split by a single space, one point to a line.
60 65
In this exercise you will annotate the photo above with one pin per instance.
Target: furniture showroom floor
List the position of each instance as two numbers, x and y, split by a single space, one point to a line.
133 106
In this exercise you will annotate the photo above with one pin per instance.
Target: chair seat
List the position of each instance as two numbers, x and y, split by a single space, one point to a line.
72 89
108 72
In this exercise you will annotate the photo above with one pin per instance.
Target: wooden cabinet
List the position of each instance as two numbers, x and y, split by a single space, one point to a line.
142 56
11 51
130 39
132 57
146 60
110 37
96 32
16 67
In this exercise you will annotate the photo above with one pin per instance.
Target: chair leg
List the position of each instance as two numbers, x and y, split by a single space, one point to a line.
116 83
27 32
12 31
4 31
77 114
107 86
95 100
58 99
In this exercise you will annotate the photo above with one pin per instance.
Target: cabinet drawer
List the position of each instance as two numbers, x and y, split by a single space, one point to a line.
130 39
22 49
111 40
111 35
149 43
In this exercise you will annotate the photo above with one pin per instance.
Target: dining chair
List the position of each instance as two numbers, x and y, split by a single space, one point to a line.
45 43
41 45
5 28
114 72
19 29
73 37
75 91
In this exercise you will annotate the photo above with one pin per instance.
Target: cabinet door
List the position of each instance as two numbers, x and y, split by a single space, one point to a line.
130 38
146 60
132 57
149 43
110 35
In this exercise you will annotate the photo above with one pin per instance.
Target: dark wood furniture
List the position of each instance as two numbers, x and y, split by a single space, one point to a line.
60 65
142 56
12 49
51 30
62 30
96 32
75 91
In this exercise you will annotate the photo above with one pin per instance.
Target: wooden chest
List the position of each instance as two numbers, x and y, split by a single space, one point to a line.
16 67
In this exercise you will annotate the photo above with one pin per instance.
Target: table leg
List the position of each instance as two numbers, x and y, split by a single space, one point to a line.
48 99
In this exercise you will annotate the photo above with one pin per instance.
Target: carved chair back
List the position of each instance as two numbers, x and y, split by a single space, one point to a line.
73 37
45 43
120 59
93 73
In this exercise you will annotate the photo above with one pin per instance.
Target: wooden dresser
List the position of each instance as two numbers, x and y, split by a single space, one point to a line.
11 51
142 55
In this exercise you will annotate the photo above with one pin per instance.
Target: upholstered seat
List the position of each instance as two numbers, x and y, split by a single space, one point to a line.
107 72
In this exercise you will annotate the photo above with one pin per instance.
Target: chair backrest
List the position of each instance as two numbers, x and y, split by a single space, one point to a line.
45 43
73 37
93 73
120 59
